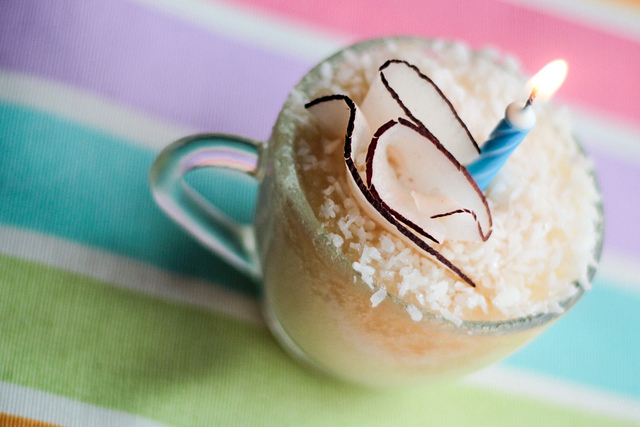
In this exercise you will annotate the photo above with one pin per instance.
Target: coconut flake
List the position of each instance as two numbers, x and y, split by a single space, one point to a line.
336 239
450 317
414 312
378 296
386 244
366 272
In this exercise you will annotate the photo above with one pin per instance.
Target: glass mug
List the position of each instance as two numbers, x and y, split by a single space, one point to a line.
313 301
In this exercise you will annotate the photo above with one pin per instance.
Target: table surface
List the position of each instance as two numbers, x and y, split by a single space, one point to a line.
111 316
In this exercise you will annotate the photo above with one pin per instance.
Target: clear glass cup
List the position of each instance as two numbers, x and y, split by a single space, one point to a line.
313 301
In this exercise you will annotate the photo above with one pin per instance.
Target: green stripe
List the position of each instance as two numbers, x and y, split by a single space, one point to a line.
77 337
64 179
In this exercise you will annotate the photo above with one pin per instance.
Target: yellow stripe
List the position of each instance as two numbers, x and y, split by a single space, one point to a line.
7 420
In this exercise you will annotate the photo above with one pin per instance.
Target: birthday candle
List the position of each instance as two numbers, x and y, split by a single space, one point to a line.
519 119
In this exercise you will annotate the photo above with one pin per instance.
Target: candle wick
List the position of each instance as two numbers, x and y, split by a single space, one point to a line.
534 92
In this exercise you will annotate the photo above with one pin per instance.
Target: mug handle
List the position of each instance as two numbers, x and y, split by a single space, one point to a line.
233 241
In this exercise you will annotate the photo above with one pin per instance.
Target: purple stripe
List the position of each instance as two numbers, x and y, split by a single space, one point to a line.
149 60
621 197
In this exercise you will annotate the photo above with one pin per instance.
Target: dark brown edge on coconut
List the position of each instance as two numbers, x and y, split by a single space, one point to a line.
457 211
460 168
463 211
396 97
423 130
330 98
376 202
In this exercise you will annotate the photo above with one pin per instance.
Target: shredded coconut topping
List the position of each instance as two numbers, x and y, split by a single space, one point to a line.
544 201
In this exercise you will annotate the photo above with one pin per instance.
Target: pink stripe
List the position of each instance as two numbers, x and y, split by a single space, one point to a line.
602 67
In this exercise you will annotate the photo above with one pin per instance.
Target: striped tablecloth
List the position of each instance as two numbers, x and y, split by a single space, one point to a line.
111 316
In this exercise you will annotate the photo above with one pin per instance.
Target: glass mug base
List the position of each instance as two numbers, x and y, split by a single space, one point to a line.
316 305
285 341
375 377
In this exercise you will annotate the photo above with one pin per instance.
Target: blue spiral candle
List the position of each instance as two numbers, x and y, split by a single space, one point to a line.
518 120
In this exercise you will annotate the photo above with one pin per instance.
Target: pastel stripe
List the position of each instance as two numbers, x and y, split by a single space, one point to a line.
89 109
591 345
534 385
617 179
73 182
245 24
167 363
34 408
618 269
208 82
127 273
620 17
533 36
7 420
607 134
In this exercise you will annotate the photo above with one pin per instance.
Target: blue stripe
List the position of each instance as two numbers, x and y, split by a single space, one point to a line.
597 343
60 178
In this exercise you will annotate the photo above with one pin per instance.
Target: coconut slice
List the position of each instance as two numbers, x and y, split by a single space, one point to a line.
419 100
419 179
336 112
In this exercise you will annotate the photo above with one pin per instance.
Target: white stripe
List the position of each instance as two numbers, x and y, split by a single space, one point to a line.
555 391
610 16
607 134
271 32
46 407
620 270
127 273
89 109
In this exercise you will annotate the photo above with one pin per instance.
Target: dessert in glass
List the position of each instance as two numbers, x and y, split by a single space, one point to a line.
382 260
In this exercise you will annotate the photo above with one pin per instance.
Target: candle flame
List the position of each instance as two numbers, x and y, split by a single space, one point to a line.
548 80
